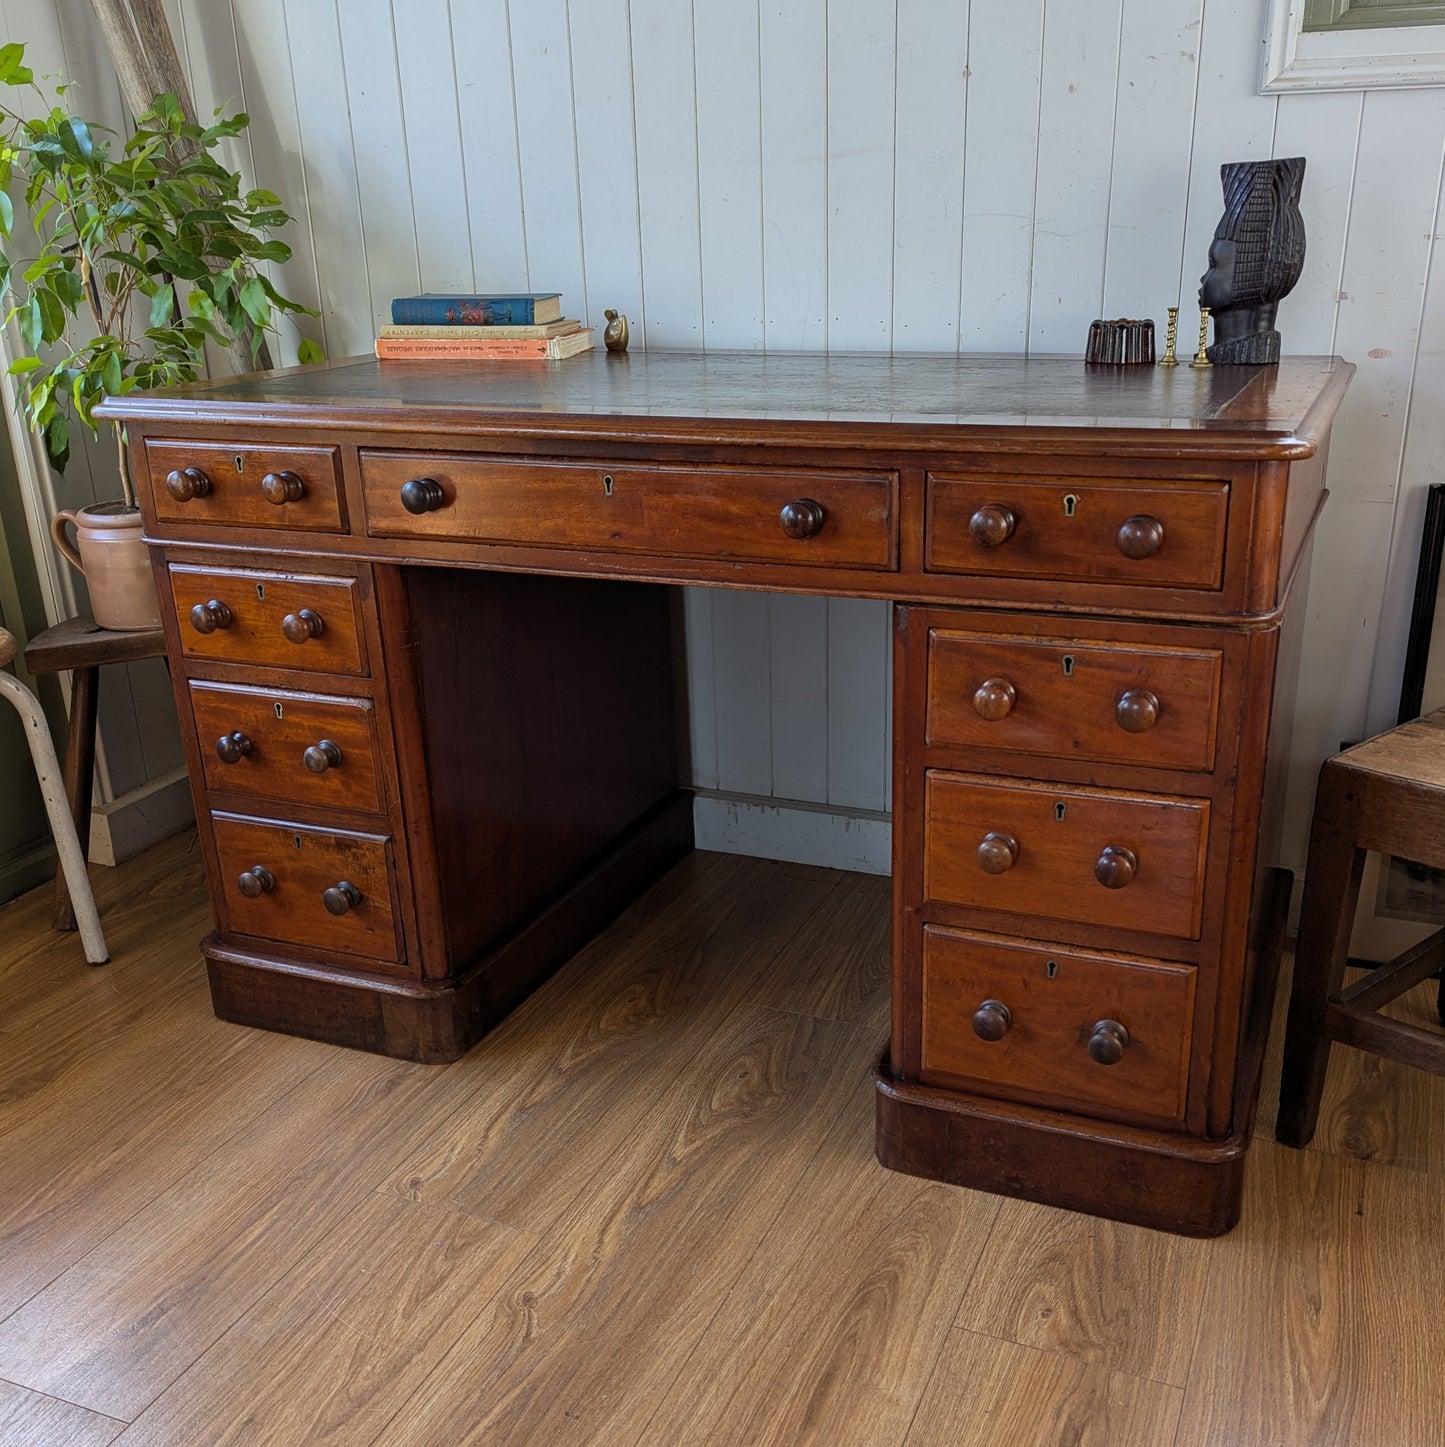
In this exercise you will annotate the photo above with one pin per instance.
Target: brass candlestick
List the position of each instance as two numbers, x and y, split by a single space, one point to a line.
1201 357
1172 332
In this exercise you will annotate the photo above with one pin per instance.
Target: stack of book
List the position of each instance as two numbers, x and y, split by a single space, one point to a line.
529 327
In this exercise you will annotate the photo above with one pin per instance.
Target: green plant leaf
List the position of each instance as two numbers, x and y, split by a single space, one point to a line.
21 365
308 351
255 301
7 213
52 314
30 323
68 286
111 372
163 306
10 58
74 137
57 441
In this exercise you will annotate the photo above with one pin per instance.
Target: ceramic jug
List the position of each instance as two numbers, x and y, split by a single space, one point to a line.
115 563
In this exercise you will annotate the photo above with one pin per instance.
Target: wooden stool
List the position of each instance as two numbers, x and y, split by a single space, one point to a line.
81 645
1386 794
72 872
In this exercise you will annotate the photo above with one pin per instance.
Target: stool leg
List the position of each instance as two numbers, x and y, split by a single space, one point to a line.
72 861
1332 890
79 777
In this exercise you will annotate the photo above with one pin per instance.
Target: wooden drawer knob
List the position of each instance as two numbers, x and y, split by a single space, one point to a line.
991 1020
997 852
1137 711
282 487
186 483
1116 866
207 617
321 756
341 897
803 518
992 524
1107 1042
993 699
300 626
422 494
256 881
233 747
1141 537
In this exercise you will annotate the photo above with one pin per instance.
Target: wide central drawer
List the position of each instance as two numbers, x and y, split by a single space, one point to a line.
788 515
1096 856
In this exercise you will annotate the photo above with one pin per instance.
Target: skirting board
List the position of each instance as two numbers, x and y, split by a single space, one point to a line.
859 840
124 827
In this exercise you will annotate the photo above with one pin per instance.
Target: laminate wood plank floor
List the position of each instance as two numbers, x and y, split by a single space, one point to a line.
644 1210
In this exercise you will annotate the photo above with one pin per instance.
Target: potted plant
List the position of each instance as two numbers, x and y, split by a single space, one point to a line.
154 251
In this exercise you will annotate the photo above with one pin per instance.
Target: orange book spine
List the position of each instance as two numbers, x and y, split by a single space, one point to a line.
443 349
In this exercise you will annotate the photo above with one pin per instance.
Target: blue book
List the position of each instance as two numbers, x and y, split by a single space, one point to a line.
431 309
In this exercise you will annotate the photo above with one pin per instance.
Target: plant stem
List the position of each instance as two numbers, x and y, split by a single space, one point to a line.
127 487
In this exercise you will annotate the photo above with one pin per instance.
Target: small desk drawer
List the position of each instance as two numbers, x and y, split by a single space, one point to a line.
286 620
819 519
282 746
1077 529
1018 1020
240 486
1074 698
1096 856
283 882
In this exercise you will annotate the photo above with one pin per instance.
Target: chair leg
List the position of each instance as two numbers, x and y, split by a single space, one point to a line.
1332 890
79 777
72 861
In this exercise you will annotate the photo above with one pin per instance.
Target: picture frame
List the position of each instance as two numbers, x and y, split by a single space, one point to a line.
1355 59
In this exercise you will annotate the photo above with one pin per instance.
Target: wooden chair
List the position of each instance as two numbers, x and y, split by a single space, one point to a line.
80 646
72 858
1386 794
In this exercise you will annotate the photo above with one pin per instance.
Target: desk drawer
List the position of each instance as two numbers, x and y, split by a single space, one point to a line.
820 519
1039 850
241 486
1077 529
1074 698
286 620
1019 1020
282 746
298 876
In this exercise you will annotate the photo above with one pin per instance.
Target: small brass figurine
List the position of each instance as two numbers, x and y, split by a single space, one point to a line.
1255 259
1170 336
1201 357
616 333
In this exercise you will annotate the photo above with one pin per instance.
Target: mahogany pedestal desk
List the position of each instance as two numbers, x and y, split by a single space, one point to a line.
424 672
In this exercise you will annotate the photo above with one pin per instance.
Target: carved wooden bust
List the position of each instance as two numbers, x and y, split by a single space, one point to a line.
1255 259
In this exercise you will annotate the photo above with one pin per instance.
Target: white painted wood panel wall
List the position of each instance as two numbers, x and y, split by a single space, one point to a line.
850 174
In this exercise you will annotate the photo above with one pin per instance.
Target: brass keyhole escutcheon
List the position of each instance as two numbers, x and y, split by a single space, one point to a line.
606 484
240 463
1060 809
1070 503
1067 663
1051 970
261 591
280 710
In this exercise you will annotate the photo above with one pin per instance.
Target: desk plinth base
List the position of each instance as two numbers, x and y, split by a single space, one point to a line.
1154 1178
437 1023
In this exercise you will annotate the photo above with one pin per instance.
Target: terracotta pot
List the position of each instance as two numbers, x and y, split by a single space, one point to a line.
115 563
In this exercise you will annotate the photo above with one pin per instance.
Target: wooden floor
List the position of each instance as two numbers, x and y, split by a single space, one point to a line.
644 1210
